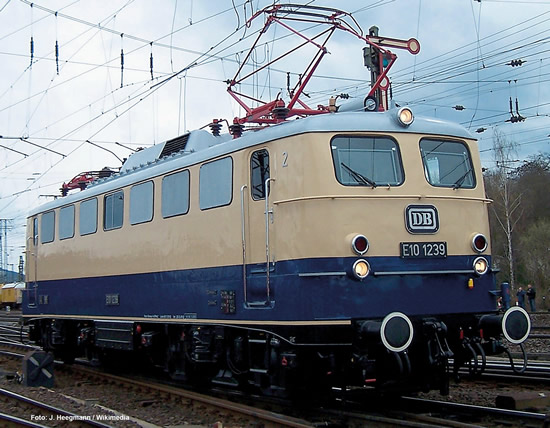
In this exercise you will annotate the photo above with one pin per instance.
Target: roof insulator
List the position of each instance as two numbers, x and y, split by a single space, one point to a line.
236 130
215 127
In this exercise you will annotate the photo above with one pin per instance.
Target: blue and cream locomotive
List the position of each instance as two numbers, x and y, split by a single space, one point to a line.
348 248
344 248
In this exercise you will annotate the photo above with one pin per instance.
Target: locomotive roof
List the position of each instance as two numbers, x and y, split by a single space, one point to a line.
200 145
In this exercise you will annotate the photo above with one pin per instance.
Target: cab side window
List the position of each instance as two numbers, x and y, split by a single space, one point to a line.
35 231
259 173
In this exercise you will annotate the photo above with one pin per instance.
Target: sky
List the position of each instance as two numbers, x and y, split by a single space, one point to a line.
99 98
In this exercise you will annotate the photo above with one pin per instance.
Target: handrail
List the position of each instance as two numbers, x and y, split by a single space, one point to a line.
243 238
416 197
267 212
34 255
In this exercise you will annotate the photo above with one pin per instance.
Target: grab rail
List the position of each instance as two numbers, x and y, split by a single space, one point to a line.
267 212
243 238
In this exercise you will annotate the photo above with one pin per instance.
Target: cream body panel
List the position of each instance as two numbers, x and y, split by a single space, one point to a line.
313 216
194 240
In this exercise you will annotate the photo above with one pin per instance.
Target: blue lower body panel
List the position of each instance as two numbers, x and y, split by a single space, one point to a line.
305 290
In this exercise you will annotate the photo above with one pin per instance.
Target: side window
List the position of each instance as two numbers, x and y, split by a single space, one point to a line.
216 183
88 216
113 211
259 172
47 228
447 163
141 202
35 231
66 222
175 194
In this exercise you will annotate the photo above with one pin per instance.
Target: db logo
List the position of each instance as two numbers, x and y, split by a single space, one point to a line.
421 219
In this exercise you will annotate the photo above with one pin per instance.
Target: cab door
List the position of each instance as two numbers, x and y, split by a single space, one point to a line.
32 264
257 226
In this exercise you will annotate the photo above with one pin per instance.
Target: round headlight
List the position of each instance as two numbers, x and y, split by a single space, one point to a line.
361 269
360 244
405 116
479 243
481 266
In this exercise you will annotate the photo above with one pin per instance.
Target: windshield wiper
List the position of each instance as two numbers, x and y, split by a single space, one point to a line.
360 178
458 183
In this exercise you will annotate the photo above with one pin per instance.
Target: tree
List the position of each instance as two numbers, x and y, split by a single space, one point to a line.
536 258
506 209
533 178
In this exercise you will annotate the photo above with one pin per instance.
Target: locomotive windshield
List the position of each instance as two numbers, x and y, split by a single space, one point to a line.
447 163
367 161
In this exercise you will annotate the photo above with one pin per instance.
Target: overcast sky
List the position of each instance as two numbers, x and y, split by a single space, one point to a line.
77 111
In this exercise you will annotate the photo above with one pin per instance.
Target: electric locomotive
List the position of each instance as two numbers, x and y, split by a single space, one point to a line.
348 248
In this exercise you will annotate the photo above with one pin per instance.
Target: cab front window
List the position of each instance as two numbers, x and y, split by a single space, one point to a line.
447 163
366 161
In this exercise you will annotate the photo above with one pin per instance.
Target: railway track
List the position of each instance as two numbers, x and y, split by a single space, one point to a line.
12 328
39 413
412 412
424 413
473 414
209 404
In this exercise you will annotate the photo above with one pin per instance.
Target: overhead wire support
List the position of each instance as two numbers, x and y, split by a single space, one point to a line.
13 150
121 61
42 147
32 39
516 62
56 47
151 61
32 51
31 143
57 57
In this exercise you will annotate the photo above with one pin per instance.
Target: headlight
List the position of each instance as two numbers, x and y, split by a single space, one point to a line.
361 269
405 116
481 266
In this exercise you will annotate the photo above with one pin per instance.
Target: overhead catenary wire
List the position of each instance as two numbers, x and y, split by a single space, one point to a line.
150 91
215 59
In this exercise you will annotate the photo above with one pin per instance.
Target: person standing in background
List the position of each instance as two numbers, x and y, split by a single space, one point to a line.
531 295
521 297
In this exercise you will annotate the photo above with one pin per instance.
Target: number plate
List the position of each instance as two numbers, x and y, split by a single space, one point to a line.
423 250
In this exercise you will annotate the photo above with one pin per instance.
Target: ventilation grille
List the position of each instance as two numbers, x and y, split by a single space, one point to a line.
175 145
